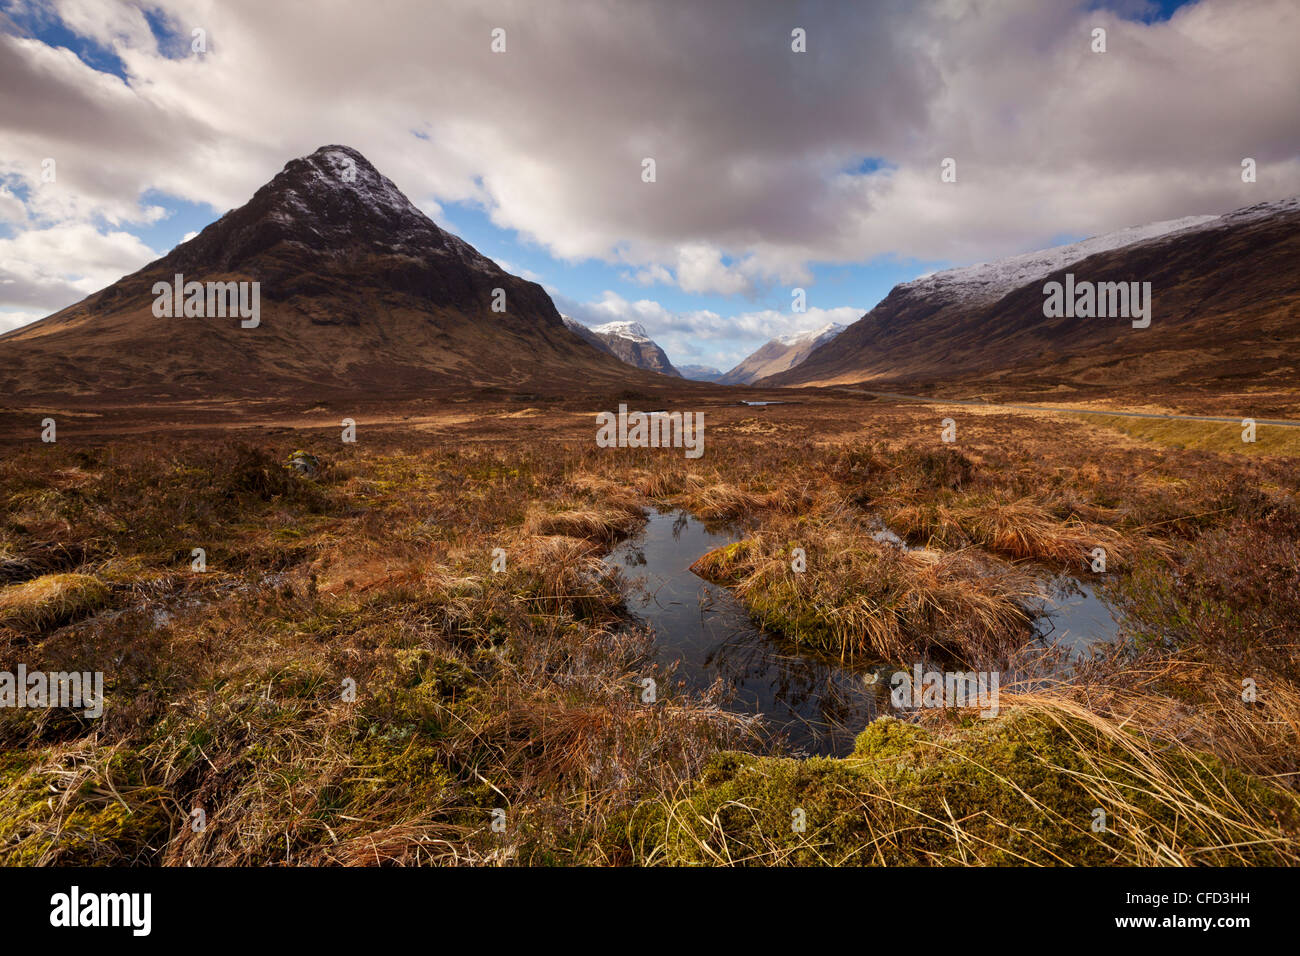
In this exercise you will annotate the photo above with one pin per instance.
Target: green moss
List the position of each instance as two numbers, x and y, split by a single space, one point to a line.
420 690
384 763
92 824
889 738
781 608
1017 790
778 605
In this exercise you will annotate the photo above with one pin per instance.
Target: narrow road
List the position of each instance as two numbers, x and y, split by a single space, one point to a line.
1076 411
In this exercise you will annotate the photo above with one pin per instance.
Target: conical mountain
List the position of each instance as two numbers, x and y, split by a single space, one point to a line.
358 293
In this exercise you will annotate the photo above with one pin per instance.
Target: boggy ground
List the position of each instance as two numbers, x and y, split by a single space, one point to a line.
514 696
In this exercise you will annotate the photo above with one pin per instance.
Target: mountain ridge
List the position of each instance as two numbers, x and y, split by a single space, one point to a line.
1226 300
780 354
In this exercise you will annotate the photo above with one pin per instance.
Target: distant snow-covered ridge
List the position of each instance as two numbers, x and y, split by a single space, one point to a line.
986 281
824 334
995 316
991 280
780 354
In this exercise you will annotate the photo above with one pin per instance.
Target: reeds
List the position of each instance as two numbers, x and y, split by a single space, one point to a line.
1020 530
600 524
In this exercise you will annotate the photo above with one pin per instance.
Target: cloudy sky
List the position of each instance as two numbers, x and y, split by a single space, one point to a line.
774 168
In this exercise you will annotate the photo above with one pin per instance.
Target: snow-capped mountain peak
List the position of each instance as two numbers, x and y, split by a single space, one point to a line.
341 167
334 201
780 354
628 330
628 341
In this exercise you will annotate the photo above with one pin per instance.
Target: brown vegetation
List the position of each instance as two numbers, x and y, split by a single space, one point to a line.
517 689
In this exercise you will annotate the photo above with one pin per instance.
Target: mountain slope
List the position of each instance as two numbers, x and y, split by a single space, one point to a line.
1225 304
584 333
780 354
360 293
629 342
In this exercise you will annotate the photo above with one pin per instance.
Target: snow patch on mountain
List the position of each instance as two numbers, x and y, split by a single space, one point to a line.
339 175
627 341
628 330
986 281
825 333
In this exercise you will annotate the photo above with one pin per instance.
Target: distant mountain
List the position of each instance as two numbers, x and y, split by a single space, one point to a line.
700 373
359 293
629 342
1225 305
584 333
780 354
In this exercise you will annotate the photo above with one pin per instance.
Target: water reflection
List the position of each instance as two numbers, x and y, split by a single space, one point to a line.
817 704
1074 615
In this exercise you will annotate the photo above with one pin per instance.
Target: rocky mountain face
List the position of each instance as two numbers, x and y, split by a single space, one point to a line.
359 291
780 354
586 334
629 341
1225 304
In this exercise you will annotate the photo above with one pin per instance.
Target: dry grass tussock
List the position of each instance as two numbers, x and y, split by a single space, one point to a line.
865 598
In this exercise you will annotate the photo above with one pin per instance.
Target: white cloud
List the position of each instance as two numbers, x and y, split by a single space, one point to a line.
751 140
520 271
701 336
54 267
700 269
653 274
10 319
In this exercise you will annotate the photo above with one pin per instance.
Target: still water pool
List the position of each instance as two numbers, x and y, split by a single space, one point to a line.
815 702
